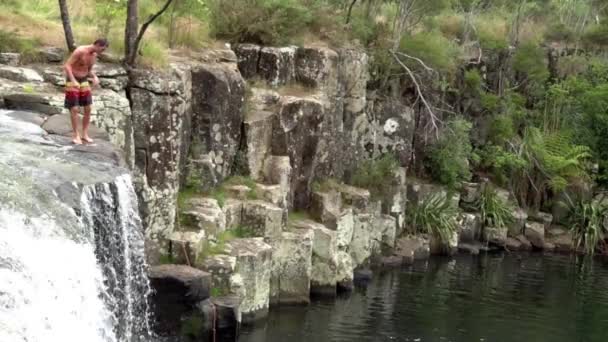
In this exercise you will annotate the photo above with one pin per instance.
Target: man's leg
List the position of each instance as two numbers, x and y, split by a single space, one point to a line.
86 120
74 116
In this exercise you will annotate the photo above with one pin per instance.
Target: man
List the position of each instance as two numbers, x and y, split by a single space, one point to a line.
78 68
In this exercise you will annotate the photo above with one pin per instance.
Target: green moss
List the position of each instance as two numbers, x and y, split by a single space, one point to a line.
298 216
218 292
165 259
192 327
377 175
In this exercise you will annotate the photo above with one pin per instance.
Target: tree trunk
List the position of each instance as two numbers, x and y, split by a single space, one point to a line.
350 9
131 32
132 37
67 27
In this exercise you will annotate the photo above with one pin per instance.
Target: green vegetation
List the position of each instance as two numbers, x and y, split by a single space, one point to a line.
448 158
495 212
378 176
587 225
298 216
218 246
434 215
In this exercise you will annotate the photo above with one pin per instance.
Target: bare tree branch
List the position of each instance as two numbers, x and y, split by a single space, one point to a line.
432 116
416 59
133 54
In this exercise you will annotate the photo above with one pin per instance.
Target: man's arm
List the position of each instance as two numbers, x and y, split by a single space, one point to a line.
92 74
68 65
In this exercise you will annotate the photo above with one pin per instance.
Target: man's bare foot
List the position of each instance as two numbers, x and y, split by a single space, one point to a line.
87 139
77 141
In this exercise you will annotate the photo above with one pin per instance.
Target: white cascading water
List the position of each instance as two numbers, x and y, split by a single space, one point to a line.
50 285
110 211
55 289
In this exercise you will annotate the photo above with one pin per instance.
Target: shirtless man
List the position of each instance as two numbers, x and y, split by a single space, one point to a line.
78 68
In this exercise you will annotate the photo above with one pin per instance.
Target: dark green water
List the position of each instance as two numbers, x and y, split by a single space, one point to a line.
494 298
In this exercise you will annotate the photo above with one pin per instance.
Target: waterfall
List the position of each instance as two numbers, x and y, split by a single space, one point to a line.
92 288
49 284
109 210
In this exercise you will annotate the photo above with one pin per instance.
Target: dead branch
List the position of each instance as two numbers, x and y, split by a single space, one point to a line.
432 116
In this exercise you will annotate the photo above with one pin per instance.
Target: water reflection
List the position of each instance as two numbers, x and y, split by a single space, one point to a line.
507 297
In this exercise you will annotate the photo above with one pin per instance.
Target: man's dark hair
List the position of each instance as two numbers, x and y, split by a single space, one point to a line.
102 42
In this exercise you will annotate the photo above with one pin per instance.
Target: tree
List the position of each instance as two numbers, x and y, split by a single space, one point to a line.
67 27
132 37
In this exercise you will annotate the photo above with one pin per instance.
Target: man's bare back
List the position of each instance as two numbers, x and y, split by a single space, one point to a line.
78 68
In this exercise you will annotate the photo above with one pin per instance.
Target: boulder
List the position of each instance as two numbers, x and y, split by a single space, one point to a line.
516 227
354 75
277 170
218 93
292 266
495 235
535 233
10 58
444 247
386 225
204 214
254 266
227 314
19 74
545 218
469 227
413 247
324 259
49 103
248 57
276 65
61 125
359 199
258 137
239 192
470 193
472 248
233 211
562 242
223 269
345 228
296 133
362 245
177 292
186 246
263 218
180 282
316 67
344 271
326 207
53 54
274 194
525 243
513 244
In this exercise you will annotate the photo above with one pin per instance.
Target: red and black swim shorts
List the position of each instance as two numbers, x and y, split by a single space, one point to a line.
78 94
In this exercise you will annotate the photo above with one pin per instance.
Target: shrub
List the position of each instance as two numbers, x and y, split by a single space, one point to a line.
596 36
434 215
588 231
492 33
473 81
448 158
529 59
559 32
376 175
434 49
11 42
494 211
265 22
502 129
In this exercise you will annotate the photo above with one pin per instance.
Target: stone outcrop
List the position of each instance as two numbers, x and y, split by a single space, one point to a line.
218 96
535 233
292 267
161 115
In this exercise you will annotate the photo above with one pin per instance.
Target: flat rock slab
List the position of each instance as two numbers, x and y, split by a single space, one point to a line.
61 125
175 280
20 74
